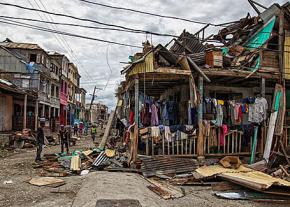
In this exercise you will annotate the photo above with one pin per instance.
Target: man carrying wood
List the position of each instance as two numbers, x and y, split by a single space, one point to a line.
64 139
40 140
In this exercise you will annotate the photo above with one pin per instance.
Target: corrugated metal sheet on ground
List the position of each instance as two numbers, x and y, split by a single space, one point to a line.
100 159
152 166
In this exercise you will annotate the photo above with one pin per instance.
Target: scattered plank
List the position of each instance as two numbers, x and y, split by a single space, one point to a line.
165 190
75 164
225 186
47 181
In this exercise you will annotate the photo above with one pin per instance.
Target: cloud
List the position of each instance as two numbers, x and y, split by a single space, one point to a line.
91 56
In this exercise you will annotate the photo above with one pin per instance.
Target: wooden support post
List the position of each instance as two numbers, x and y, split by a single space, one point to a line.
263 87
281 47
136 112
200 139
107 130
191 103
25 111
36 115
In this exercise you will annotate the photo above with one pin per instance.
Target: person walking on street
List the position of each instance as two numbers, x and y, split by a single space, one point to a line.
94 132
86 128
64 139
76 130
81 128
39 141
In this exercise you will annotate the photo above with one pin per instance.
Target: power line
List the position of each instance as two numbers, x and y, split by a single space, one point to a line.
148 13
15 23
44 16
84 19
74 25
62 40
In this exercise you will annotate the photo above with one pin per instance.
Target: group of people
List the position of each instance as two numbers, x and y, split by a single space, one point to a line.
64 137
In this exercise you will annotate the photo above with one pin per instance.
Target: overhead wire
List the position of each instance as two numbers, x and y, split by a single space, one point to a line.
63 41
85 19
15 23
147 13
74 25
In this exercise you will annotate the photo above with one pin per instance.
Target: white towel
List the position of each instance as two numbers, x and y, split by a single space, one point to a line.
167 134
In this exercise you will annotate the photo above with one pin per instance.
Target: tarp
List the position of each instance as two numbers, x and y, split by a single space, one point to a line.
260 37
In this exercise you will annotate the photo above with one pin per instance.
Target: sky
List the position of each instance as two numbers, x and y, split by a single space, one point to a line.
99 63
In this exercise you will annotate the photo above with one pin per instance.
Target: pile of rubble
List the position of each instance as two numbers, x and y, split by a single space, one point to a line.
80 162
22 139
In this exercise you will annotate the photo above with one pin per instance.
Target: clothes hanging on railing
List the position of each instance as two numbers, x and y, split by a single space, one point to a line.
145 116
235 112
258 110
154 115
167 134
223 132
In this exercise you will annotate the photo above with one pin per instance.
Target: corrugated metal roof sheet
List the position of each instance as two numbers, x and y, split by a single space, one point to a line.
100 159
14 45
189 41
152 166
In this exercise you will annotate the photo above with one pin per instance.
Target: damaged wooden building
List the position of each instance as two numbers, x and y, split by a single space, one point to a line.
225 94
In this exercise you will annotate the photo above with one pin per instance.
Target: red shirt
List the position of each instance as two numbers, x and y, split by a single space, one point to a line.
131 117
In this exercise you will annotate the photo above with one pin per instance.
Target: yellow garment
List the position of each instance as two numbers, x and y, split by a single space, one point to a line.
221 102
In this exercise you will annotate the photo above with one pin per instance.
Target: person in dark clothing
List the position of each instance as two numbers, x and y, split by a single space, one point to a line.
39 141
64 139
76 129
120 127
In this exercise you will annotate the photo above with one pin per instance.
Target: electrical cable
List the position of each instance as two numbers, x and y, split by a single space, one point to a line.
63 41
84 19
148 13
15 23
74 25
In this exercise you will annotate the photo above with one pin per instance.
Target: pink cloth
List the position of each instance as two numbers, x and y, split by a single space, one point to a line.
223 132
154 115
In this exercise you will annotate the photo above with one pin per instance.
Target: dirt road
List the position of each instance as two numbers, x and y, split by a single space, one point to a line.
86 190
18 167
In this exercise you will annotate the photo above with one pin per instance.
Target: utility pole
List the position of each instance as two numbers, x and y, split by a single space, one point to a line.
93 98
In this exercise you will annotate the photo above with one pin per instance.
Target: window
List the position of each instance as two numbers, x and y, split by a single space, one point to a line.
47 63
38 58
42 59
52 90
32 58
57 91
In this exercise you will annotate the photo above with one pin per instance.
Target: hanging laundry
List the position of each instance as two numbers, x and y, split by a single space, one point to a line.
165 116
220 102
155 133
258 110
219 116
223 132
154 115
183 136
167 134
145 116
131 117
